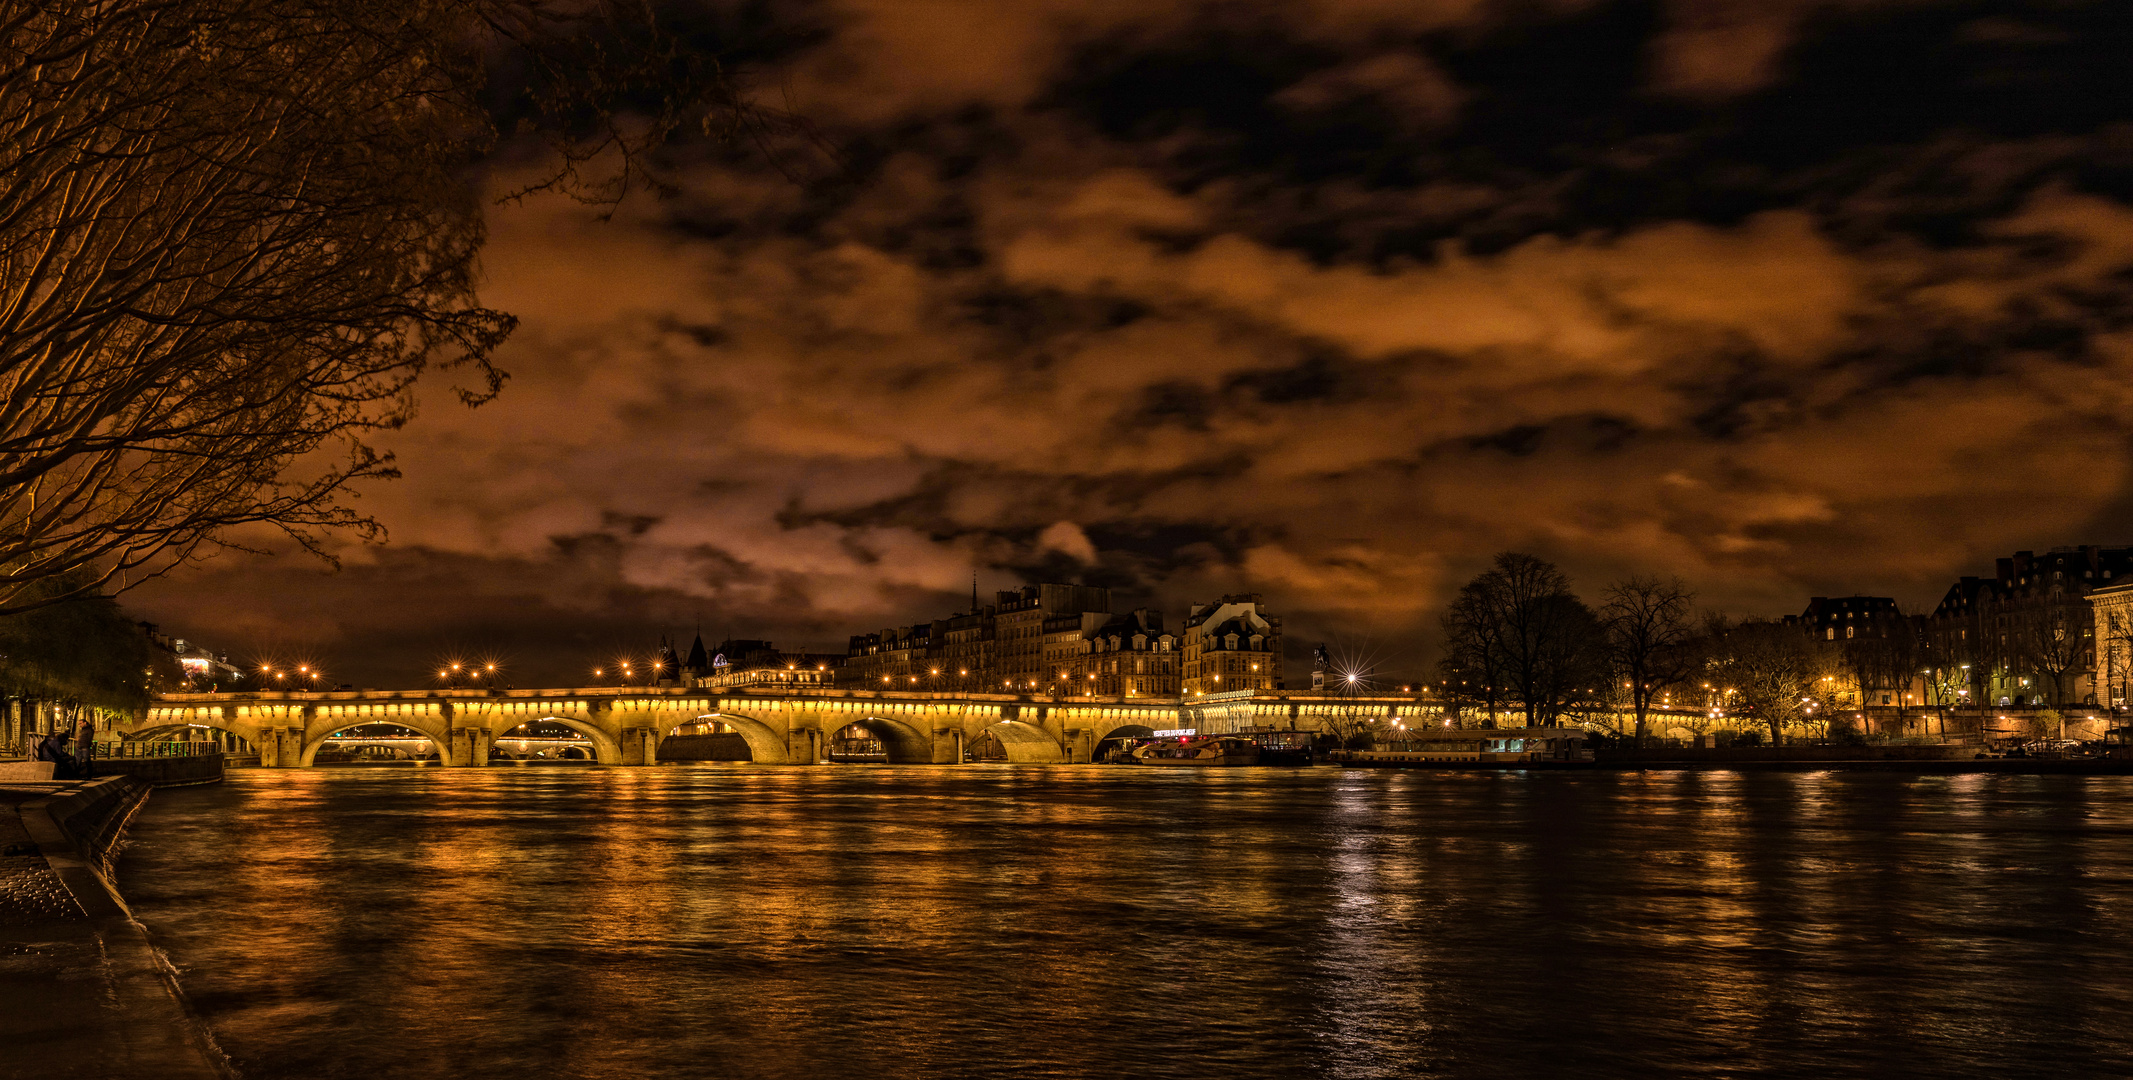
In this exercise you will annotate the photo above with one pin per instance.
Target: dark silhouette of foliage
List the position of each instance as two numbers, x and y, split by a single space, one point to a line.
1775 673
81 652
1648 638
1518 626
233 233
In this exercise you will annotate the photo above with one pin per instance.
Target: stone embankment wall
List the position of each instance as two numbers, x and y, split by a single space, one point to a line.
1741 754
165 771
94 817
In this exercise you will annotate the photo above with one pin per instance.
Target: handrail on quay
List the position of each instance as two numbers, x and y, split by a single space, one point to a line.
147 749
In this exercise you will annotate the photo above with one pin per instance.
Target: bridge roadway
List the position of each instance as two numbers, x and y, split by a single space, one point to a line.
782 726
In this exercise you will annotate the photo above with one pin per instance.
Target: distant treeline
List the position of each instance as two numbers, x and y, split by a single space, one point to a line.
1518 642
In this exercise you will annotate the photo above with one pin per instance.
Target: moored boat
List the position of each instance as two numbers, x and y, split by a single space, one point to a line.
1206 750
1475 748
1285 747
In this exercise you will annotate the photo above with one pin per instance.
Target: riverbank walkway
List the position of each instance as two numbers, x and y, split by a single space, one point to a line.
83 992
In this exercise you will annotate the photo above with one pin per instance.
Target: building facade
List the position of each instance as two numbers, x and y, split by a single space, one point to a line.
1128 656
1024 640
1230 645
2111 629
741 662
1848 618
1064 639
1034 626
2027 635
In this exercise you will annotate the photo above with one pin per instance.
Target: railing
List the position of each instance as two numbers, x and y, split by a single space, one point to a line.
146 749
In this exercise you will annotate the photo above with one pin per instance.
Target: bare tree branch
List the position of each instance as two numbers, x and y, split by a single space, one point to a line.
233 233
1648 635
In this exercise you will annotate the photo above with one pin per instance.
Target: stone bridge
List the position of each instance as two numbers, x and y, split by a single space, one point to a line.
783 727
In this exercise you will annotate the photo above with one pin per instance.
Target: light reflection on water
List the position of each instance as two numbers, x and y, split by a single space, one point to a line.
929 922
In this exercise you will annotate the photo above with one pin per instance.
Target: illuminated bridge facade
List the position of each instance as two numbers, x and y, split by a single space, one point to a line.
782 727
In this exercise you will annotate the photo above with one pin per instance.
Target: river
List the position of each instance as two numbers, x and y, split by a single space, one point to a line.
916 921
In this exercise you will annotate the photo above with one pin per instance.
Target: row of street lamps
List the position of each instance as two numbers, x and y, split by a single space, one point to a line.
455 673
300 675
624 672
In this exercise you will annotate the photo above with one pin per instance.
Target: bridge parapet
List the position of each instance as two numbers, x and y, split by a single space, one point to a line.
782 725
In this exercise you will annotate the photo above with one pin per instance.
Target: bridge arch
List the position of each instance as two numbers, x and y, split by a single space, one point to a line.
318 735
1113 736
766 744
905 745
1025 743
606 750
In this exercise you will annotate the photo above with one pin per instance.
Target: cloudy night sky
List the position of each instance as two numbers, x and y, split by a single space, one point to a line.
1328 301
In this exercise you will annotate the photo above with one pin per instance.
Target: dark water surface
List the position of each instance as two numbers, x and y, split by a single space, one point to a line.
1099 922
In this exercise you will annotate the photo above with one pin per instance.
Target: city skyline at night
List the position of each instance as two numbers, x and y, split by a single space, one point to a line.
971 539
1319 302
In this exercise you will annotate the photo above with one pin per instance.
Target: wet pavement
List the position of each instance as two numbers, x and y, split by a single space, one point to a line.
30 893
83 994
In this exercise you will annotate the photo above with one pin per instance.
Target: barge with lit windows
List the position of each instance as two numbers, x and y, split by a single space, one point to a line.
1202 751
1550 747
1286 747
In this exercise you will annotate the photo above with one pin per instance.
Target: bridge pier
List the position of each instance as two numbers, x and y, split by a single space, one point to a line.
281 748
640 746
807 735
470 746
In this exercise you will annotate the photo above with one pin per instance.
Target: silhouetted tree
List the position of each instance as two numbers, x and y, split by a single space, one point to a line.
1947 654
1648 634
1519 625
1885 656
2050 636
234 232
1775 671
1473 657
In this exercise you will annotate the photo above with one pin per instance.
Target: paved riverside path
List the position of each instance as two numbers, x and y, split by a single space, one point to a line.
82 992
